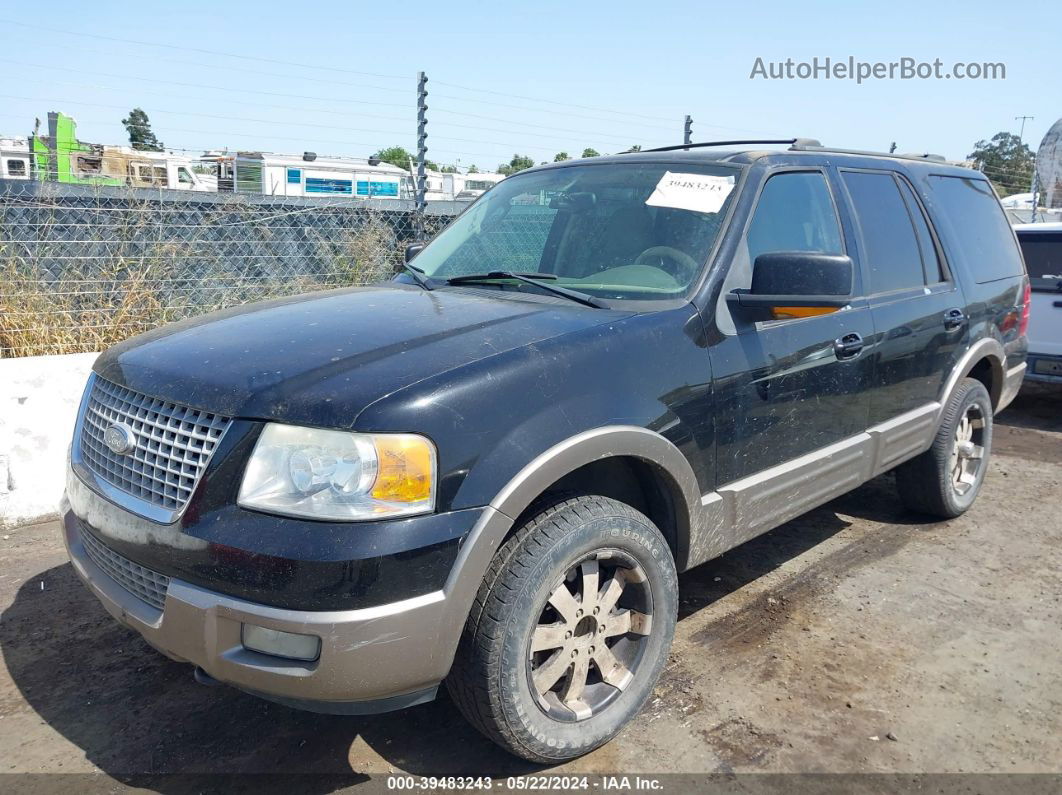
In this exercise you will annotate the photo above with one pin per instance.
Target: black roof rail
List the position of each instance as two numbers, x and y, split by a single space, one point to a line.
817 147
795 142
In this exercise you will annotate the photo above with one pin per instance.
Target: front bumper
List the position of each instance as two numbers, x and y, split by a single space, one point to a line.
373 658
375 653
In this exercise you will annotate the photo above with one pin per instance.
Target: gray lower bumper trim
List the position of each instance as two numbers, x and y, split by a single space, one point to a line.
353 707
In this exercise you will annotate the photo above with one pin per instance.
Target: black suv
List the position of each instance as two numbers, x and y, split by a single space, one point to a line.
488 471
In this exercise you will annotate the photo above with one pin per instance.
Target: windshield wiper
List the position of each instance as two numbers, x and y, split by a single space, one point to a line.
535 279
418 276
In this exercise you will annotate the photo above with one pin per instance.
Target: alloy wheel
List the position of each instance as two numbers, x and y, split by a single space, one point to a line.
590 636
968 452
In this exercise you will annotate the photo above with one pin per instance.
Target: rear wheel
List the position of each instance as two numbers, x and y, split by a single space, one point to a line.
945 480
569 632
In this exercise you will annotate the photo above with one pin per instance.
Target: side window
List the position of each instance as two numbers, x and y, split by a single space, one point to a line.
982 235
930 259
184 176
794 213
889 243
16 168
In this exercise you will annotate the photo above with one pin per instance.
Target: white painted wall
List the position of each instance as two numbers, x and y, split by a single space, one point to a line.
39 397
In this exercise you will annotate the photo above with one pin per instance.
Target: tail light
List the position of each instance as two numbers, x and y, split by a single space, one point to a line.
1026 305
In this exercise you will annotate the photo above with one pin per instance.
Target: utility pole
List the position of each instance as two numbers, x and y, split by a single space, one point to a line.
1021 140
422 152
687 131
1032 217
1023 119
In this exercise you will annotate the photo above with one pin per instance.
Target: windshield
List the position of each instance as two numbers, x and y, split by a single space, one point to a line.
638 231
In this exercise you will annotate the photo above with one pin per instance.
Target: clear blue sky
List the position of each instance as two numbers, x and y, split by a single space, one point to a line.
640 66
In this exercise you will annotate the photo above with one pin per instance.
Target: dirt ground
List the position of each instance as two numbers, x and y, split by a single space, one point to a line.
856 638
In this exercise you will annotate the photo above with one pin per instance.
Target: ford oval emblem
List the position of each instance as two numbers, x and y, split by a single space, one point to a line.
120 438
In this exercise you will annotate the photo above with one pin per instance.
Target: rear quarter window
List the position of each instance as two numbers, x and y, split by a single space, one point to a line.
981 234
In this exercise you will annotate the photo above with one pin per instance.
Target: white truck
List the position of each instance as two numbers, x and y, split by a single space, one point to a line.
1041 245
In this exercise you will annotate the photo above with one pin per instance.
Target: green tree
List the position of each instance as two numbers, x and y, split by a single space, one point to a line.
588 152
448 170
1006 161
395 155
472 169
635 148
141 136
518 163
401 157
561 157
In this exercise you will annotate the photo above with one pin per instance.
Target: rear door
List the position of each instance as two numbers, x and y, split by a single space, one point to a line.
921 327
1043 260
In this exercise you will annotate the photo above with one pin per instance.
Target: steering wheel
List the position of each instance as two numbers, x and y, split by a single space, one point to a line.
654 257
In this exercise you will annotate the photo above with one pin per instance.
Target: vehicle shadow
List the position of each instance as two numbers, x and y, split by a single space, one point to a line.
1036 407
141 718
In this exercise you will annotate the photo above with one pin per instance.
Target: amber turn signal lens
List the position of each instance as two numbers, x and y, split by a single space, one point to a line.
405 468
786 312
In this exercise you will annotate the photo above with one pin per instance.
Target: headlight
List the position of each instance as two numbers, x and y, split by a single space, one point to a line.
322 474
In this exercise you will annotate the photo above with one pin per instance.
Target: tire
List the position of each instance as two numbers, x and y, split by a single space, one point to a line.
501 683
929 484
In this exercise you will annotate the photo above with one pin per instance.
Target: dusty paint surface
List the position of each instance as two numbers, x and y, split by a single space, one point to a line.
799 651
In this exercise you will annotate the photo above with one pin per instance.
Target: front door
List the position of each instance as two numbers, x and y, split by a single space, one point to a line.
789 388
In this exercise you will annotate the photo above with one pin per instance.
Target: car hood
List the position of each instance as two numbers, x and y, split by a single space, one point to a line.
320 359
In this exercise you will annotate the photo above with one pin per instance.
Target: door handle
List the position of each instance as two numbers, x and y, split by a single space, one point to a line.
848 346
953 319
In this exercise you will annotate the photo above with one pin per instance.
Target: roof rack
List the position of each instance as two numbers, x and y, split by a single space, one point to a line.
805 146
796 143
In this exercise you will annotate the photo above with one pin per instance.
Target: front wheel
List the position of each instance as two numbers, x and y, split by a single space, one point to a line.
569 632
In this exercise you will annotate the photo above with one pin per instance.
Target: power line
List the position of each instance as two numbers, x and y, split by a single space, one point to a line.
372 146
226 117
230 68
240 90
202 50
207 87
218 53
572 105
360 113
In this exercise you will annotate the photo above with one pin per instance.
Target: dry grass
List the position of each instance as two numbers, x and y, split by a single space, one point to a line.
145 280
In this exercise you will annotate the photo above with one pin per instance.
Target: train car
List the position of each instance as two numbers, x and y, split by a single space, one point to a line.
58 156
15 160
308 175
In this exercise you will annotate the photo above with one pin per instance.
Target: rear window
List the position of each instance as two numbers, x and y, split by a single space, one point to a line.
980 229
1043 257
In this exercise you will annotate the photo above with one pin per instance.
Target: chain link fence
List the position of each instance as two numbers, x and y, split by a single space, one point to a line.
83 267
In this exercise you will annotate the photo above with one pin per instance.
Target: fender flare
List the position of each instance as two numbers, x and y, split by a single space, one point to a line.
498 517
987 347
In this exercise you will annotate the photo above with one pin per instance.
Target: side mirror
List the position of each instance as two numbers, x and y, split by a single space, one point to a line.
413 250
788 284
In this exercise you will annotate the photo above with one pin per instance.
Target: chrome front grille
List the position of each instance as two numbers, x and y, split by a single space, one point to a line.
173 444
148 585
